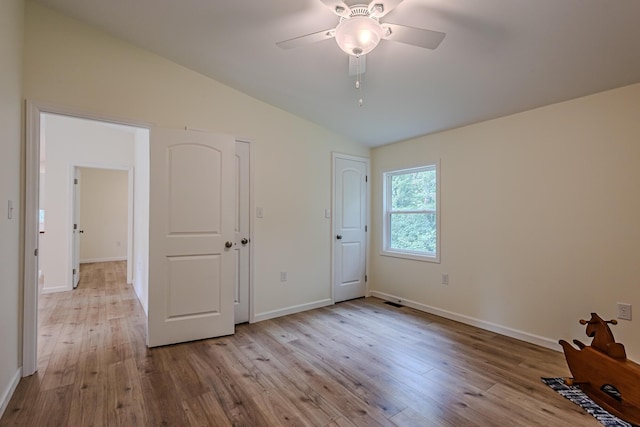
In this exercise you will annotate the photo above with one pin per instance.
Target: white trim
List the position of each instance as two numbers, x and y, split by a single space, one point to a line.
292 310
31 232
55 289
115 258
31 218
78 113
130 200
8 393
468 320
252 314
367 161
386 201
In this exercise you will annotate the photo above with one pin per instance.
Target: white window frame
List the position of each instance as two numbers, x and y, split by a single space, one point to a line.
386 250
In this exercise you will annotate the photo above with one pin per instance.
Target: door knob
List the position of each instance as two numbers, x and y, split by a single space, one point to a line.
228 245
339 237
244 241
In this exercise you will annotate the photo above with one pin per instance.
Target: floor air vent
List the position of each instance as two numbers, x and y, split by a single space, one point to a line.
395 304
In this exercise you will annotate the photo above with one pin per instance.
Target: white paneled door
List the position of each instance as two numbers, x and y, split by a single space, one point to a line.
191 236
349 227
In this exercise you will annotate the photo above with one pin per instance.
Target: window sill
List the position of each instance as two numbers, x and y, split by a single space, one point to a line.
411 256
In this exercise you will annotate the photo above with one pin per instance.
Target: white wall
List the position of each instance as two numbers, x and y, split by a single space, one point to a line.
71 64
11 26
73 142
104 203
539 219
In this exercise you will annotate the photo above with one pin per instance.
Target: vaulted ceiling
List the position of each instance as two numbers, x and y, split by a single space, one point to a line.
499 57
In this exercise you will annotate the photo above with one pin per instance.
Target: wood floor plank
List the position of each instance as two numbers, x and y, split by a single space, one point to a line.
357 363
89 398
205 410
308 402
61 369
236 402
125 400
238 366
279 411
22 411
52 407
161 405
546 411
411 418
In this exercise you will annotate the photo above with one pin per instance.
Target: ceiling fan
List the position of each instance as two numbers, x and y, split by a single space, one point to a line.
359 30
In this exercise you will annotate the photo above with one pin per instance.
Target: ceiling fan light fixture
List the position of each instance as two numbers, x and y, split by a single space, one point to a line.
358 35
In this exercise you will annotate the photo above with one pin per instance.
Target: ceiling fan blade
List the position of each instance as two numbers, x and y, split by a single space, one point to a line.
379 8
307 39
427 39
338 7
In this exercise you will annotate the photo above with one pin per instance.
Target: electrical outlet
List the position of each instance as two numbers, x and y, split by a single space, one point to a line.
445 279
624 311
283 276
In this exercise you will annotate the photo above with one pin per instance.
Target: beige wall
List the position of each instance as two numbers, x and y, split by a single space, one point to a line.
11 24
104 202
540 220
70 64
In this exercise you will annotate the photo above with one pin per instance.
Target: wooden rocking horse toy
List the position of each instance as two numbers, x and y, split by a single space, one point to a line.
603 372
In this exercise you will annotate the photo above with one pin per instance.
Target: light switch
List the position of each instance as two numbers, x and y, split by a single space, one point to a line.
327 213
259 213
10 209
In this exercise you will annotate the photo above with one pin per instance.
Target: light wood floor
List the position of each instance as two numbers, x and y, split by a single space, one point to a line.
359 363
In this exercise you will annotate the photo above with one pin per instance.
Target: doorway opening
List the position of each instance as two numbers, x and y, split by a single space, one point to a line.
60 144
102 211
139 184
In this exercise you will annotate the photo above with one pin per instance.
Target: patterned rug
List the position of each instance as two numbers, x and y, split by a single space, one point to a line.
574 394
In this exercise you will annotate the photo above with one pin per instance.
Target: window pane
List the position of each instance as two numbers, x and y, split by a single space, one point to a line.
413 191
413 232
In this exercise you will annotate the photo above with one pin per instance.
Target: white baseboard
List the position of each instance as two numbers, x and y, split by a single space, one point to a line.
502 330
90 260
138 290
8 392
54 289
291 310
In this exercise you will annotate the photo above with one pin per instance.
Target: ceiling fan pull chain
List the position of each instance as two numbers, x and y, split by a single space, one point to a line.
358 79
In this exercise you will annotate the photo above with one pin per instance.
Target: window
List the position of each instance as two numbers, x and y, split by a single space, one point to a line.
411 223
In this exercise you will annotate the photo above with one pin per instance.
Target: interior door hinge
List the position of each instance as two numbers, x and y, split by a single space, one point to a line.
75 226
366 278
35 253
74 271
366 178
366 228
75 181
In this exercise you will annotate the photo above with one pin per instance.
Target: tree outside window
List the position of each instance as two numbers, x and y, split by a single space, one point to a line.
411 213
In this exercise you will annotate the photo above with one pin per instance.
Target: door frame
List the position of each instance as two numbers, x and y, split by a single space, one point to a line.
367 161
252 316
75 229
31 219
